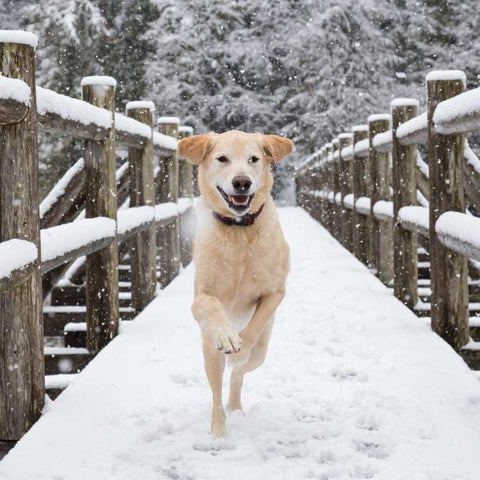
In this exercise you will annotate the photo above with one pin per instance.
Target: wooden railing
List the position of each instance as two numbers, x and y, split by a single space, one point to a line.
373 191
93 217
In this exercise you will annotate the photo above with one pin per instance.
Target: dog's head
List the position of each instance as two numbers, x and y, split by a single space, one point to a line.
234 174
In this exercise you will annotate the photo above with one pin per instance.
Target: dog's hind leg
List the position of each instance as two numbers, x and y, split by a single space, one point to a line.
256 358
214 367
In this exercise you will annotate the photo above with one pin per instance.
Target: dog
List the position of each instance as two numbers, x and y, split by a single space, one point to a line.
240 255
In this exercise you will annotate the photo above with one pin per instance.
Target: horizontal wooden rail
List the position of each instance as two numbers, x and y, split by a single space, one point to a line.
415 219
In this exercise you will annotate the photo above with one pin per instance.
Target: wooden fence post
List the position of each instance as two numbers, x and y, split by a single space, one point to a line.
142 246
382 235
22 380
101 201
360 132
185 190
329 214
168 237
337 209
449 301
346 177
405 268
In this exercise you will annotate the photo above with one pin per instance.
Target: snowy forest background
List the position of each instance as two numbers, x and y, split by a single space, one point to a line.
305 69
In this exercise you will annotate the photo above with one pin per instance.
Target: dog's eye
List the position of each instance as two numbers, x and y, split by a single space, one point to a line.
222 159
254 160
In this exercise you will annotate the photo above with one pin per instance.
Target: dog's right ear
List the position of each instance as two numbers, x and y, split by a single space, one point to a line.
196 147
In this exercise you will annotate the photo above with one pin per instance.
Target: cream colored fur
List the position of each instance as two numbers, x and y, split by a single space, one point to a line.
240 272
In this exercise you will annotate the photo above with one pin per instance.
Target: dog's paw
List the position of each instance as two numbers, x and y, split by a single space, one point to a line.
226 339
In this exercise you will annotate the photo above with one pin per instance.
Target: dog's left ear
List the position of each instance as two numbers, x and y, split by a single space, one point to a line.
276 147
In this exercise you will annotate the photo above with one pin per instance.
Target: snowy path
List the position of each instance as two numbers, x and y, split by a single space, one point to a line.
354 387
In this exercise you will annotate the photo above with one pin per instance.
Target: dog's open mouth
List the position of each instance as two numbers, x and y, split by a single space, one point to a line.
238 203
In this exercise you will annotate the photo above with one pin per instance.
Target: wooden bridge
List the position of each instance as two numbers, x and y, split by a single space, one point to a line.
414 223
355 385
95 249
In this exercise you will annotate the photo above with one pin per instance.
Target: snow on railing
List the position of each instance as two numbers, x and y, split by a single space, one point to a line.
133 217
460 232
69 108
57 241
13 89
362 147
59 189
415 218
16 255
363 205
383 210
414 130
164 141
382 142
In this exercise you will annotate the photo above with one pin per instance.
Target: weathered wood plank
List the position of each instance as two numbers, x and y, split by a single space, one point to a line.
168 237
405 270
382 231
360 132
22 383
346 187
142 246
449 269
101 200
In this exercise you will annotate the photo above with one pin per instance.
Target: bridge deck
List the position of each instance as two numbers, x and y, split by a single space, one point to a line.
354 386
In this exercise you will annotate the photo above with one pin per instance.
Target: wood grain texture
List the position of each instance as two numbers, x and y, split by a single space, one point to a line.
382 231
405 245
168 237
22 383
449 269
359 184
142 246
101 200
346 187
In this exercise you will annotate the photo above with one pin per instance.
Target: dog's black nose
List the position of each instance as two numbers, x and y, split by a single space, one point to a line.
241 184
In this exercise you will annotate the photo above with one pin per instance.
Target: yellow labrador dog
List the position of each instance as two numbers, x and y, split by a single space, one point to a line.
240 255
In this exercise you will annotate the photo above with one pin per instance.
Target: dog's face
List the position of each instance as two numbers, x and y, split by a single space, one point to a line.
234 173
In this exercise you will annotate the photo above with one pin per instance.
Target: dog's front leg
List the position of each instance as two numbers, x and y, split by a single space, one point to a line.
266 307
211 316
218 336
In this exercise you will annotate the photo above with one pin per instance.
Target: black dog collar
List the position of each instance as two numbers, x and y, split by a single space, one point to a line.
243 221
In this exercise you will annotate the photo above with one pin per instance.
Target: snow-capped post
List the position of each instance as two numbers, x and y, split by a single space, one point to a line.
336 209
168 237
449 301
405 246
382 235
360 132
101 201
345 140
142 246
22 380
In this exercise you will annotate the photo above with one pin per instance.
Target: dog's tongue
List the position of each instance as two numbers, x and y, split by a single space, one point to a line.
239 199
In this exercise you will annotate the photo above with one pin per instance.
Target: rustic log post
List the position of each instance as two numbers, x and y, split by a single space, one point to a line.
22 381
346 178
101 201
142 246
449 301
360 132
405 245
168 237
382 234
337 209
329 214
185 190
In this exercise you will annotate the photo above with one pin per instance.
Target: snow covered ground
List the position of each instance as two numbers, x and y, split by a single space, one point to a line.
354 387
